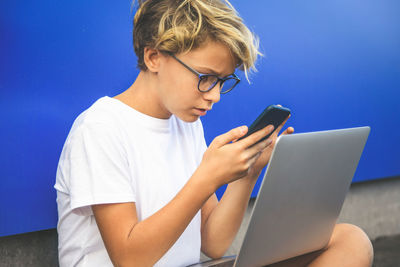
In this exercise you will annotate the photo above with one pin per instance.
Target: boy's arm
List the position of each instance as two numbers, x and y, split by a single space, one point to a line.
132 243
221 221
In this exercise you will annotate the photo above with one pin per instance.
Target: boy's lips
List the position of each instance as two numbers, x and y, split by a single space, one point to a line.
202 111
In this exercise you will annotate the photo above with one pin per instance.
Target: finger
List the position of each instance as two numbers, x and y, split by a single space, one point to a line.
259 147
257 154
257 136
228 137
281 125
289 130
253 159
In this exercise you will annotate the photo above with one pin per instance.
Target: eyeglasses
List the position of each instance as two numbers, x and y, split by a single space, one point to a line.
209 81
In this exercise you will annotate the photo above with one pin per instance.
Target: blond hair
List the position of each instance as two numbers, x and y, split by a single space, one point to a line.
179 26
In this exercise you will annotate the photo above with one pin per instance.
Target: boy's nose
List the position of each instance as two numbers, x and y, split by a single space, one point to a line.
214 94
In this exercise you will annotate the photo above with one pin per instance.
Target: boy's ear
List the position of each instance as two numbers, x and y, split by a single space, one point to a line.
152 58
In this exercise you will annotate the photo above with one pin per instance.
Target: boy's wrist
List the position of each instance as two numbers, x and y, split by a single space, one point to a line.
252 177
205 178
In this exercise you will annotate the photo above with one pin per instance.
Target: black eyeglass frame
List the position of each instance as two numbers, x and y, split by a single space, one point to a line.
202 76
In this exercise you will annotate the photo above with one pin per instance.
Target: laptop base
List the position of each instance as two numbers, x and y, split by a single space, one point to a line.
222 262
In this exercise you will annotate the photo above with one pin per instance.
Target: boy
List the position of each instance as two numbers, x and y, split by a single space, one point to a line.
136 181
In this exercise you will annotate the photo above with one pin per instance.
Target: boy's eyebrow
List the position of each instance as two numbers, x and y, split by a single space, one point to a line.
207 70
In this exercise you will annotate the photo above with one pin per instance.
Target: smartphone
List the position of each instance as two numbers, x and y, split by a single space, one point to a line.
273 114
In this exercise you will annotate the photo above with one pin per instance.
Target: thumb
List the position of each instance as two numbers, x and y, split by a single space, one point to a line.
289 130
228 137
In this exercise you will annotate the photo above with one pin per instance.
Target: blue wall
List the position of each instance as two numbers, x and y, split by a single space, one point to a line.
336 64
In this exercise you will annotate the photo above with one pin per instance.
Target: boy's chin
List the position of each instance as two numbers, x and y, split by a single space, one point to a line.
188 118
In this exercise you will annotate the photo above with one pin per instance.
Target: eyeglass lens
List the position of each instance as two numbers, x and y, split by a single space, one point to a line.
207 82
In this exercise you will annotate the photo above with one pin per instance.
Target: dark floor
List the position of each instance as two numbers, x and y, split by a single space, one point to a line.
31 249
387 251
40 249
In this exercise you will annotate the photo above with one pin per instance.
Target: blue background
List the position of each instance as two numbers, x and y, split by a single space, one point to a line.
336 64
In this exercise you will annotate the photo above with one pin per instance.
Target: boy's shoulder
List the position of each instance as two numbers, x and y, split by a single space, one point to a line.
100 117
101 111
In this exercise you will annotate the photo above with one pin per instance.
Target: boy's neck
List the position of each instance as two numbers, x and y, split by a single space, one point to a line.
143 96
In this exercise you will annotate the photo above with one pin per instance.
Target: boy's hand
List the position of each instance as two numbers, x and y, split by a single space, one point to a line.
226 161
265 156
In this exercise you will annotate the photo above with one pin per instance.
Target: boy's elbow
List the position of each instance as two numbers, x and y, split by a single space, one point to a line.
215 252
129 256
216 256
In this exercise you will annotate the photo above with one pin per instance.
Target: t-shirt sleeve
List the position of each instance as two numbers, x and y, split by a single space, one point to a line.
98 168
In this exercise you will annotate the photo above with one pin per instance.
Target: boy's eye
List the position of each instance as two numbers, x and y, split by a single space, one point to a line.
208 78
207 82
204 78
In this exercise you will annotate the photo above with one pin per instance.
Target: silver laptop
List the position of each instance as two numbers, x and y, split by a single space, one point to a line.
301 196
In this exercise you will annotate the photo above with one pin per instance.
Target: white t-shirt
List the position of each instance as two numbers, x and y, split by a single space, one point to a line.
115 154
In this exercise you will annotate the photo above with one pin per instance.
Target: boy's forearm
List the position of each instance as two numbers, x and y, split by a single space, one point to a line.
152 237
224 221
